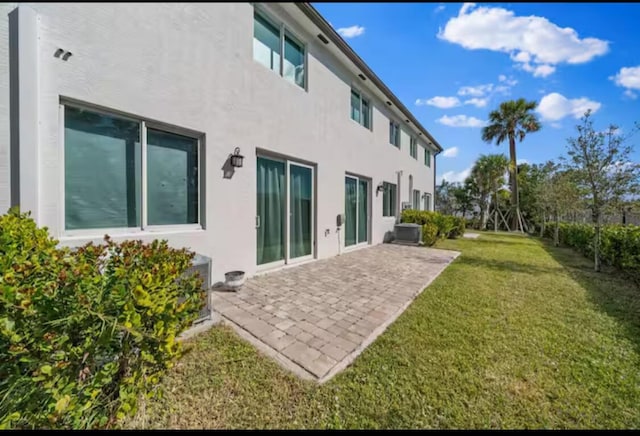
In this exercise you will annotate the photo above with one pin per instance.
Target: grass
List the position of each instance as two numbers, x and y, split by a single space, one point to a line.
514 334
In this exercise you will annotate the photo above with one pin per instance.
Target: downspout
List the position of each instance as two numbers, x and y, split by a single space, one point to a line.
433 206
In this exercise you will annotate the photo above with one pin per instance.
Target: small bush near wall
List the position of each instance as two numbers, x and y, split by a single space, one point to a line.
85 333
619 245
446 226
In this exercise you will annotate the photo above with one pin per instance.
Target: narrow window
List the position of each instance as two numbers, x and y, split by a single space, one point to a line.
427 158
394 134
293 68
413 148
266 43
389 199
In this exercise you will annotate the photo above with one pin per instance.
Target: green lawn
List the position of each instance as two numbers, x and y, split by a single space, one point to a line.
513 334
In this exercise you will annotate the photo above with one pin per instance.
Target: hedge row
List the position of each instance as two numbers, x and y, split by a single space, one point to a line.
619 245
434 225
85 333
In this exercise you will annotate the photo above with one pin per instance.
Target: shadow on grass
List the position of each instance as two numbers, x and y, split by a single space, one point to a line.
610 290
505 265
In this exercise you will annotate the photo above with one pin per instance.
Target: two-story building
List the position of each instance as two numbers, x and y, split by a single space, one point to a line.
122 119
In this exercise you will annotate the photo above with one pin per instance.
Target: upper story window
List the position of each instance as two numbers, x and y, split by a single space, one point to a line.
413 148
122 172
394 133
360 109
270 41
427 157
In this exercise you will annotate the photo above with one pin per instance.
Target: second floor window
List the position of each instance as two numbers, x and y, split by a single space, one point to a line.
269 41
394 133
360 109
427 158
413 148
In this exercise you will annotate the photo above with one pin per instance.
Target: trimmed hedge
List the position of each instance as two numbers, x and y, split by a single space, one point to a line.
619 245
434 224
85 333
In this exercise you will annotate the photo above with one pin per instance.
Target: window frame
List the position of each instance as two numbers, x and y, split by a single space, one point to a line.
413 147
285 31
361 98
427 196
396 137
145 123
416 199
427 157
393 207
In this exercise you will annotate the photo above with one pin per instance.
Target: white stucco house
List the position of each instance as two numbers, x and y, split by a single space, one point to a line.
121 118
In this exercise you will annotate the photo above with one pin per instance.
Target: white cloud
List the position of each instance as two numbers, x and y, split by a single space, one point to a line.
508 81
460 121
441 102
351 32
543 70
533 42
629 78
521 161
453 176
439 8
477 102
554 106
556 125
475 91
450 152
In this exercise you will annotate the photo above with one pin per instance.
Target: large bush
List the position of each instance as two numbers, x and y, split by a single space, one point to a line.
446 226
619 245
85 333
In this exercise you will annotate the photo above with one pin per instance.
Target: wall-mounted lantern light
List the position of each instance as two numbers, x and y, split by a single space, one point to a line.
380 188
236 158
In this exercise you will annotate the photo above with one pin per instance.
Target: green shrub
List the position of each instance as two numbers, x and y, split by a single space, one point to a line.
619 245
429 234
458 230
85 333
447 226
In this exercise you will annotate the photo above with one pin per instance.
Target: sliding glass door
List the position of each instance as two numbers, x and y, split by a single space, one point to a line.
356 210
284 220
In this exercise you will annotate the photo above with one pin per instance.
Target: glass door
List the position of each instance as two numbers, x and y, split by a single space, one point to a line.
285 211
356 210
270 219
300 211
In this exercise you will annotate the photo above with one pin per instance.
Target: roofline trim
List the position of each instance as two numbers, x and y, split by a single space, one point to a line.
334 37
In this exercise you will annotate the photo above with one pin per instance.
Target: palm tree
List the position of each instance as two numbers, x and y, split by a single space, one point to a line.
488 173
513 119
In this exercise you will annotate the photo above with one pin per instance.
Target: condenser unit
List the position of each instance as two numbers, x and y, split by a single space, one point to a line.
202 266
407 233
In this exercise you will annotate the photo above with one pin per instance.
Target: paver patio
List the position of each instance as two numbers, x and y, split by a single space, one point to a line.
315 318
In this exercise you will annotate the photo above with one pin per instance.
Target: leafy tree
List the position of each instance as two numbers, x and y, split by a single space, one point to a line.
513 119
602 168
445 201
488 173
463 194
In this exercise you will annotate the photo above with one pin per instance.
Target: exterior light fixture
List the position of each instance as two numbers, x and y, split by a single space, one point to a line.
236 158
380 187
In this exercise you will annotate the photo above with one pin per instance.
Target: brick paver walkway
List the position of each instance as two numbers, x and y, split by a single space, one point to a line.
315 318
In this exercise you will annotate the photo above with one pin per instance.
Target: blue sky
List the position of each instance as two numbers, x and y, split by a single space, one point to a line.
452 63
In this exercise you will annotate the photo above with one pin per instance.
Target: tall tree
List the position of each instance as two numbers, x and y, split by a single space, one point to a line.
488 173
513 119
602 167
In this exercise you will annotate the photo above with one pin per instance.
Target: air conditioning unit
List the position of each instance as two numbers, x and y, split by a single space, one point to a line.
408 234
202 266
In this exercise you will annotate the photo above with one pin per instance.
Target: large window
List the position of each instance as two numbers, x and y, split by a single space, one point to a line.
269 41
427 158
389 199
416 199
106 160
360 109
394 133
413 148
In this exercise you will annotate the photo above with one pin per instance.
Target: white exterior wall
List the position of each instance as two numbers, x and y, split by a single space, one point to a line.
191 65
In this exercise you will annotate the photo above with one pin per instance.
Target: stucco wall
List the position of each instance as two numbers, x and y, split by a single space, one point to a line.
191 65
